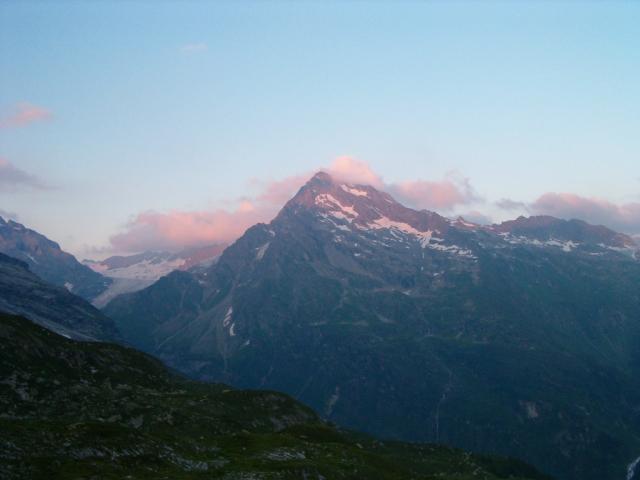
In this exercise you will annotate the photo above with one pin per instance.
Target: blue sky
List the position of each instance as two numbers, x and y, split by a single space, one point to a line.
188 106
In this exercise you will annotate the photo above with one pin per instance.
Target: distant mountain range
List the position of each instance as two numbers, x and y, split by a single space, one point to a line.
97 281
135 272
49 261
521 338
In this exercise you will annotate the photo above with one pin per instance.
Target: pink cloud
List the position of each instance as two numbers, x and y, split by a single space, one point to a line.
343 169
621 217
349 170
176 230
179 229
278 192
24 114
441 195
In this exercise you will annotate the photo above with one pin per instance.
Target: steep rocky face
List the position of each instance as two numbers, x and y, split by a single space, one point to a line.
48 261
89 410
24 293
520 338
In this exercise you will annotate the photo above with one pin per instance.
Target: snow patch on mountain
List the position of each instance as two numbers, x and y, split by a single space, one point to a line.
453 249
628 250
566 246
227 322
261 250
227 317
385 223
631 469
337 209
354 191
146 269
135 272
461 222
120 286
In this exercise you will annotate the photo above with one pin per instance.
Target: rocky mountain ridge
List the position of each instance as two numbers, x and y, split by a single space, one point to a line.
24 293
49 261
520 338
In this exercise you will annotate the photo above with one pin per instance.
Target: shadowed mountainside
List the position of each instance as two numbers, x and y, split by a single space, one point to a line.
521 339
89 410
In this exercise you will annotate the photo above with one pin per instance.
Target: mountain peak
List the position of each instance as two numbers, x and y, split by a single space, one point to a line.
326 192
356 207
321 177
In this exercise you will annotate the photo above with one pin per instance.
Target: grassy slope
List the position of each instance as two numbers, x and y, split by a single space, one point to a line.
87 410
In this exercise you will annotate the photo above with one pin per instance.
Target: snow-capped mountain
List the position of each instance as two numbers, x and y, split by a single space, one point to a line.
520 338
135 272
366 212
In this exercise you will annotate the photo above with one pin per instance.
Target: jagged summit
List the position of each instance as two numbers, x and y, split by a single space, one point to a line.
363 209
323 183
359 206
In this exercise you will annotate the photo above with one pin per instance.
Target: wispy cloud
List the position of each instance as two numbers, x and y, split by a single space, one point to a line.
351 170
8 215
443 195
194 47
13 178
511 205
477 217
178 229
24 114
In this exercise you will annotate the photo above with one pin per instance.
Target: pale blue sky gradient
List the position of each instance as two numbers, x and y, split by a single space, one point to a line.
521 98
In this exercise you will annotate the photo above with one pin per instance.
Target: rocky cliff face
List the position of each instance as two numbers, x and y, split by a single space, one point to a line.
48 261
24 293
521 338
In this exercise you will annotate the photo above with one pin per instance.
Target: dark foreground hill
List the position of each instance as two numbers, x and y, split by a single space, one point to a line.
89 410
521 339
